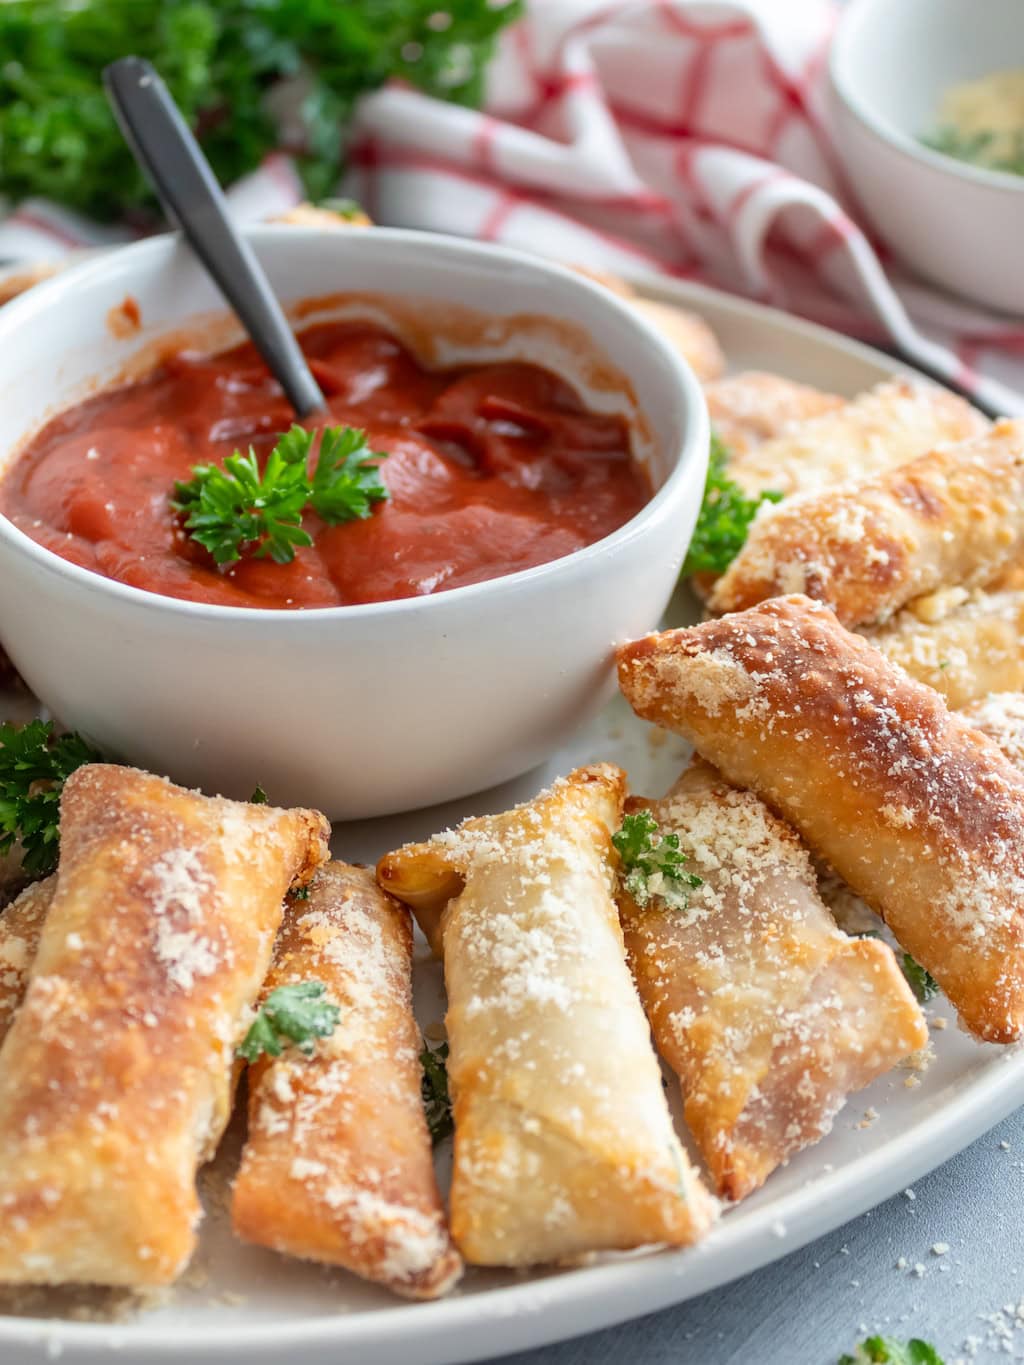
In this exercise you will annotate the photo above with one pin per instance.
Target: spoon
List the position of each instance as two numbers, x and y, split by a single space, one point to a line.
166 151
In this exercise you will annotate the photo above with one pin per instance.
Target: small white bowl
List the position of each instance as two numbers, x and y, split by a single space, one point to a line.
370 709
892 61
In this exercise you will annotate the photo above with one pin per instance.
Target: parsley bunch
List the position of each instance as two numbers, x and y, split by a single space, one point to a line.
724 520
220 58
33 768
239 508
434 1087
653 863
296 1014
887 1351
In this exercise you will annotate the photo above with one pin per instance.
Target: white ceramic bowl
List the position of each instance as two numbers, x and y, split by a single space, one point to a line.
360 710
891 62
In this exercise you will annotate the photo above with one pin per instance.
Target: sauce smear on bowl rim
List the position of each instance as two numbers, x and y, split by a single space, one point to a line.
490 469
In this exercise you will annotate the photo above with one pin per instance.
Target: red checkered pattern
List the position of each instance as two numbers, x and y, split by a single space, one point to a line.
644 135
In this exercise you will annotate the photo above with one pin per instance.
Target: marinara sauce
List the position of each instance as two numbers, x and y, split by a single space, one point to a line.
490 469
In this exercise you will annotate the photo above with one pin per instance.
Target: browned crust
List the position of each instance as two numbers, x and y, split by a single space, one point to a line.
954 516
116 1076
338 1166
766 1012
752 407
921 815
21 928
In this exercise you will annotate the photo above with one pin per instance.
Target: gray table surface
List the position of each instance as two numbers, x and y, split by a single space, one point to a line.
811 1306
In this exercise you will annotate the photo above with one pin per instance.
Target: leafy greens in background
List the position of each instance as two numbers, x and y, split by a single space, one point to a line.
220 59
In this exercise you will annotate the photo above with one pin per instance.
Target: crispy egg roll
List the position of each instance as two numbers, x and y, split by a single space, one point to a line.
954 516
964 643
21 927
768 1014
922 816
338 1165
880 429
563 1140
116 1074
752 407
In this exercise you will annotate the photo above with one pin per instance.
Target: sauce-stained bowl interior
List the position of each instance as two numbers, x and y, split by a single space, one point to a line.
362 710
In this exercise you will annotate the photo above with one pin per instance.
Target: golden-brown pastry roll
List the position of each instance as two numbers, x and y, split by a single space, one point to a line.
116 1074
563 1140
338 1165
964 643
767 1013
879 430
954 516
1001 718
21 927
752 407
921 815
689 334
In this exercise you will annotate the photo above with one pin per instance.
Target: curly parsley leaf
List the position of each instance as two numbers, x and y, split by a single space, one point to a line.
242 510
296 1014
33 768
888 1351
259 796
346 482
921 982
434 1088
652 863
724 519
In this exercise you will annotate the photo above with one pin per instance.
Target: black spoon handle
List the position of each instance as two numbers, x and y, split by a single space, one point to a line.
164 147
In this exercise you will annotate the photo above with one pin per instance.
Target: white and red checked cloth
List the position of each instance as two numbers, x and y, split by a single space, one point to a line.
643 135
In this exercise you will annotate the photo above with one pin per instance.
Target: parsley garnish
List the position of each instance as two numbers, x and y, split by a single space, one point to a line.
434 1088
259 797
653 862
994 151
239 508
724 520
887 1351
921 982
219 58
349 209
33 768
299 893
296 1014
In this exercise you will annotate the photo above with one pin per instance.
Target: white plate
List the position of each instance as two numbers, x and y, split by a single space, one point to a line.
243 1304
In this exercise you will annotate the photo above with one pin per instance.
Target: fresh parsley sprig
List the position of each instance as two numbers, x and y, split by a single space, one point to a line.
652 863
920 980
888 1351
241 509
724 519
297 1014
33 767
434 1087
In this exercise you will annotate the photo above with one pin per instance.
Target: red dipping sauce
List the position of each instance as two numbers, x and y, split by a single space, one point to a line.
490 469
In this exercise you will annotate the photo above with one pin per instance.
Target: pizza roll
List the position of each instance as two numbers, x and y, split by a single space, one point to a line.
922 816
563 1140
954 516
21 927
338 1165
879 430
1001 718
752 407
963 643
116 1074
689 334
767 1013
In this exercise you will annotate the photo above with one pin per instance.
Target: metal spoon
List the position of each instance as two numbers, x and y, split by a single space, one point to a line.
171 158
